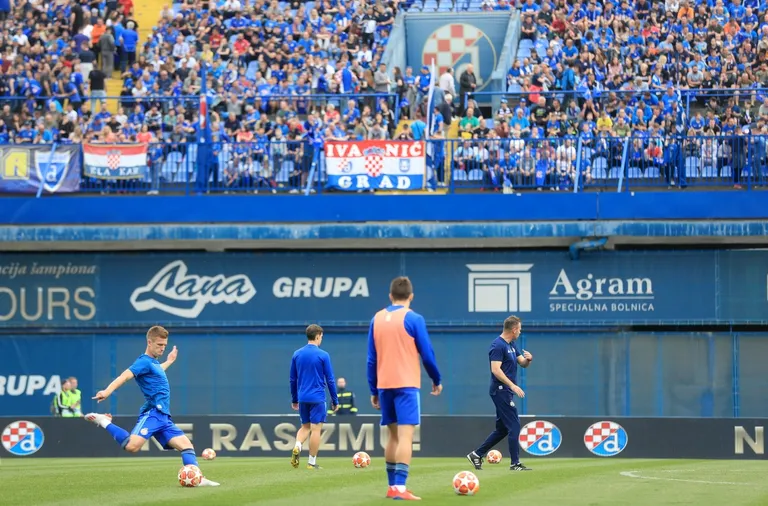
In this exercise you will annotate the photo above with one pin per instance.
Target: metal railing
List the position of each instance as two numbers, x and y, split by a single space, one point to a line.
690 101
515 164
572 164
605 163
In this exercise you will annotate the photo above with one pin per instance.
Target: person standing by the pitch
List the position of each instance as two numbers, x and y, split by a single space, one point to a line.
504 358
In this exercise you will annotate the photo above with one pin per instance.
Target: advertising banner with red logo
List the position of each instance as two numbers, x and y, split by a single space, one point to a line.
375 165
115 161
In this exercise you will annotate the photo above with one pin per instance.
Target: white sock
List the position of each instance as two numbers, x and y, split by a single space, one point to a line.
312 460
399 488
298 445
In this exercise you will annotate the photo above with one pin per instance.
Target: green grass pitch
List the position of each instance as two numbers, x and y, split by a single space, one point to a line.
578 482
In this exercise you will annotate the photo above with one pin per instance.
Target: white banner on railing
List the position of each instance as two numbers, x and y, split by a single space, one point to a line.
377 165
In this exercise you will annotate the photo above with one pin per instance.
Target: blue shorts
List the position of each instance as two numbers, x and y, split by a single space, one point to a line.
312 412
159 425
400 405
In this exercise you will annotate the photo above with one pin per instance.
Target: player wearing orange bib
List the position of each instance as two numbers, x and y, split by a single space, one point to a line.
397 339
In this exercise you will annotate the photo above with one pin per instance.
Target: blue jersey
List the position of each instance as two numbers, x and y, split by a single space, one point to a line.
311 372
506 353
151 378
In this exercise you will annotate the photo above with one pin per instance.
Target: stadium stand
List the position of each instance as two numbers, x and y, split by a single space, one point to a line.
599 92
645 90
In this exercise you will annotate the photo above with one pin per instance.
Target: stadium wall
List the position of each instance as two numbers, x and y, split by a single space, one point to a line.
558 437
453 288
349 209
575 373
237 317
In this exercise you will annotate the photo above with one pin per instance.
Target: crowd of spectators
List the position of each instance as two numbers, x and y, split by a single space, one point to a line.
56 58
593 72
600 71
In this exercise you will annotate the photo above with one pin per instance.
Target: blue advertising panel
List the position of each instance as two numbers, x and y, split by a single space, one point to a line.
550 288
456 41
744 285
33 369
287 288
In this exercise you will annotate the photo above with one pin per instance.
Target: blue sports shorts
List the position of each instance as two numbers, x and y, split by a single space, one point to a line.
159 425
400 405
312 412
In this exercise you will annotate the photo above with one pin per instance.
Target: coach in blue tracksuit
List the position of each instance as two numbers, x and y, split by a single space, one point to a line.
311 373
505 358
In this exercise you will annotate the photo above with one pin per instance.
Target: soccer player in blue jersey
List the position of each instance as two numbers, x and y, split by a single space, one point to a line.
504 358
311 373
155 415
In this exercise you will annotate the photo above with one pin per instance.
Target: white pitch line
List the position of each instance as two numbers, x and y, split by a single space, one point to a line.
634 474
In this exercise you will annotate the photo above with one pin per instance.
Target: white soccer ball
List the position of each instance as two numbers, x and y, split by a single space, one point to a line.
361 459
493 457
209 454
466 483
190 476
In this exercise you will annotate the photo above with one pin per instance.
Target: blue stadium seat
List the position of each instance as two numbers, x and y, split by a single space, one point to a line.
598 173
708 171
599 164
253 67
691 167
190 159
475 175
172 166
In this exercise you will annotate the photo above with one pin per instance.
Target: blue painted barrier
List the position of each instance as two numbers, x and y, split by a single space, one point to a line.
357 208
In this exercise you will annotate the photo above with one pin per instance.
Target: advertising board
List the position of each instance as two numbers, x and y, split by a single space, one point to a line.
346 288
269 436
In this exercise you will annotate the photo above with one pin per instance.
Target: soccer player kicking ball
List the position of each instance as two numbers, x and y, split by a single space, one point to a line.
396 339
155 415
311 372
504 359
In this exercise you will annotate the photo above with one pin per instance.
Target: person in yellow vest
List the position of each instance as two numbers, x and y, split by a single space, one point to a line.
346 399
60 404
75 397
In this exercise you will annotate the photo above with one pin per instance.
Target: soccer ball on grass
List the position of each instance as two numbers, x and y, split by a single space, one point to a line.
361 459
493 457
466 483
190 476
209 454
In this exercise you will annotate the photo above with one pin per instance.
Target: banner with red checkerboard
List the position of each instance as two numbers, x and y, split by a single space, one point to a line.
375 165
115 161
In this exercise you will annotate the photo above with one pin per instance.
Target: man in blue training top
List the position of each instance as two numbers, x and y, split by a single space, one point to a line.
155 415
311 373
504 358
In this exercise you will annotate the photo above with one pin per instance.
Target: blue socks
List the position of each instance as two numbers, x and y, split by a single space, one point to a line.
188 457
118 434
391 473
401 474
